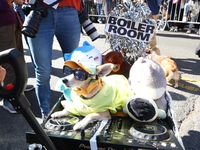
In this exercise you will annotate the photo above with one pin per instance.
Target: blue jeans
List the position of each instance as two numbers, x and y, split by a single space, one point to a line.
62 22
99 8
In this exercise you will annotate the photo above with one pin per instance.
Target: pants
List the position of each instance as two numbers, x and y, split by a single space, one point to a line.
62 22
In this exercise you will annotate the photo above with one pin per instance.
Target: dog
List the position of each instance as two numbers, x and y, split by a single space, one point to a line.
169 66
95 96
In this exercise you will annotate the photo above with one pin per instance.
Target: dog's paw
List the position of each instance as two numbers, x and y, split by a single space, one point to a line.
59 114
81 124
176 85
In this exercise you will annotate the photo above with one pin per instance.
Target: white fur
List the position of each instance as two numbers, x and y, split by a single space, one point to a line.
73 83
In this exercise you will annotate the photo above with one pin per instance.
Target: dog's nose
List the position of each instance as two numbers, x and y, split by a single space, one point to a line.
64 81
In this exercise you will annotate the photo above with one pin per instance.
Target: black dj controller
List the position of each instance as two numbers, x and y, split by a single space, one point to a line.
117 133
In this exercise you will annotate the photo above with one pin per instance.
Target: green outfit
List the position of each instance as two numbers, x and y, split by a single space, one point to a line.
111 97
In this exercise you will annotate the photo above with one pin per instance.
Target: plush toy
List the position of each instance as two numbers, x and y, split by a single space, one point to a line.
121 66
147 80
86 53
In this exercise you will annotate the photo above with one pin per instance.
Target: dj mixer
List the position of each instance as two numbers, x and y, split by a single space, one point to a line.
117 133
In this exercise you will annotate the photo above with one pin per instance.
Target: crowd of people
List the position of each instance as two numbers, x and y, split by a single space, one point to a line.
181 14
178 13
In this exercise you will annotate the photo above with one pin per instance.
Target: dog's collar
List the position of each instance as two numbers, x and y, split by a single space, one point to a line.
89 88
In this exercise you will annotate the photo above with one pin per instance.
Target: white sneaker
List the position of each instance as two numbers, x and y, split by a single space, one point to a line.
171 29
100 21
198 31
175 29
188 31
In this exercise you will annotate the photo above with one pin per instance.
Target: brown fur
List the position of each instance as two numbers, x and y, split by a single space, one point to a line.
169 66
121 67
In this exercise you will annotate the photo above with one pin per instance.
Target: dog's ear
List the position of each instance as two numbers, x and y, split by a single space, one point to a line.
104 69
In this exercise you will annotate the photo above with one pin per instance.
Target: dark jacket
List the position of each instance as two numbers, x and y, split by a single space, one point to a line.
7 14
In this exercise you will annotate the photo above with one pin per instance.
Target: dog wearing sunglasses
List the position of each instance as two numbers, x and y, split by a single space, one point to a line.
93 94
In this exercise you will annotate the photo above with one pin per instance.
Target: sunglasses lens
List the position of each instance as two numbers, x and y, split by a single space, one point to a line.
80 75
67 70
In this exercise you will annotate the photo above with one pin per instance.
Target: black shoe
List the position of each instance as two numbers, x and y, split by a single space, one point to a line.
29 88
8 106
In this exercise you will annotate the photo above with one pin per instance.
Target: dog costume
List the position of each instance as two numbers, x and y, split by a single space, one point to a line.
111 97
147 80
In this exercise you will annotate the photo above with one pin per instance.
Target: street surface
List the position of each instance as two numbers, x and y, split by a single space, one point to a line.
186 98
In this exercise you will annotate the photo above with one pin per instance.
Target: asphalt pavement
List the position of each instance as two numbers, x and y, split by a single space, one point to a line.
186 98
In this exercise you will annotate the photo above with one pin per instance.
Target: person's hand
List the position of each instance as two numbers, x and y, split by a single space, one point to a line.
2 74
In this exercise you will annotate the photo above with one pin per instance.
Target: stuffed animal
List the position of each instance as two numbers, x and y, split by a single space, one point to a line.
121 67
86 53
147 80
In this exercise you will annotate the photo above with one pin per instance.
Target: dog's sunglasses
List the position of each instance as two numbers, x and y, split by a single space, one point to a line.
79 74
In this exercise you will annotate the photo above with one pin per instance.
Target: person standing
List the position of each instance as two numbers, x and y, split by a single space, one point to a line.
154 7
99 9
10 37
63 23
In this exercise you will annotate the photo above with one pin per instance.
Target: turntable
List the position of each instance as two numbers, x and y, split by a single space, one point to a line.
117 133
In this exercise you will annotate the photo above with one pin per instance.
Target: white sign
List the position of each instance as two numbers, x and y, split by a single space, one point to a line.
141 32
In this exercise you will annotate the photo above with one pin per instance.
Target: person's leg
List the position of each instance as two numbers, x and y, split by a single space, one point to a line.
193 19
41 51
98 12
108 5
153 42
67 29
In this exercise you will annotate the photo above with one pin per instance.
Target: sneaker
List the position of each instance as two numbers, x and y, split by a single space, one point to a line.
185 19
171 29
7 106
29 88
175 29
188 31
198 32
99 21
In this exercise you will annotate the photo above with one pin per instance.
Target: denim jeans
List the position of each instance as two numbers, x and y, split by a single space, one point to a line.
62 22
99 9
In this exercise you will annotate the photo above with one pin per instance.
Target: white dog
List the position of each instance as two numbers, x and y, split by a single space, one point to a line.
93 95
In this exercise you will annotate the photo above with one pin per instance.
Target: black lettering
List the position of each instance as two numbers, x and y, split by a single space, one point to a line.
150 29
112 20
133 26
141 27
121 31
121 22
143 37
112 28
132 33
129 24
